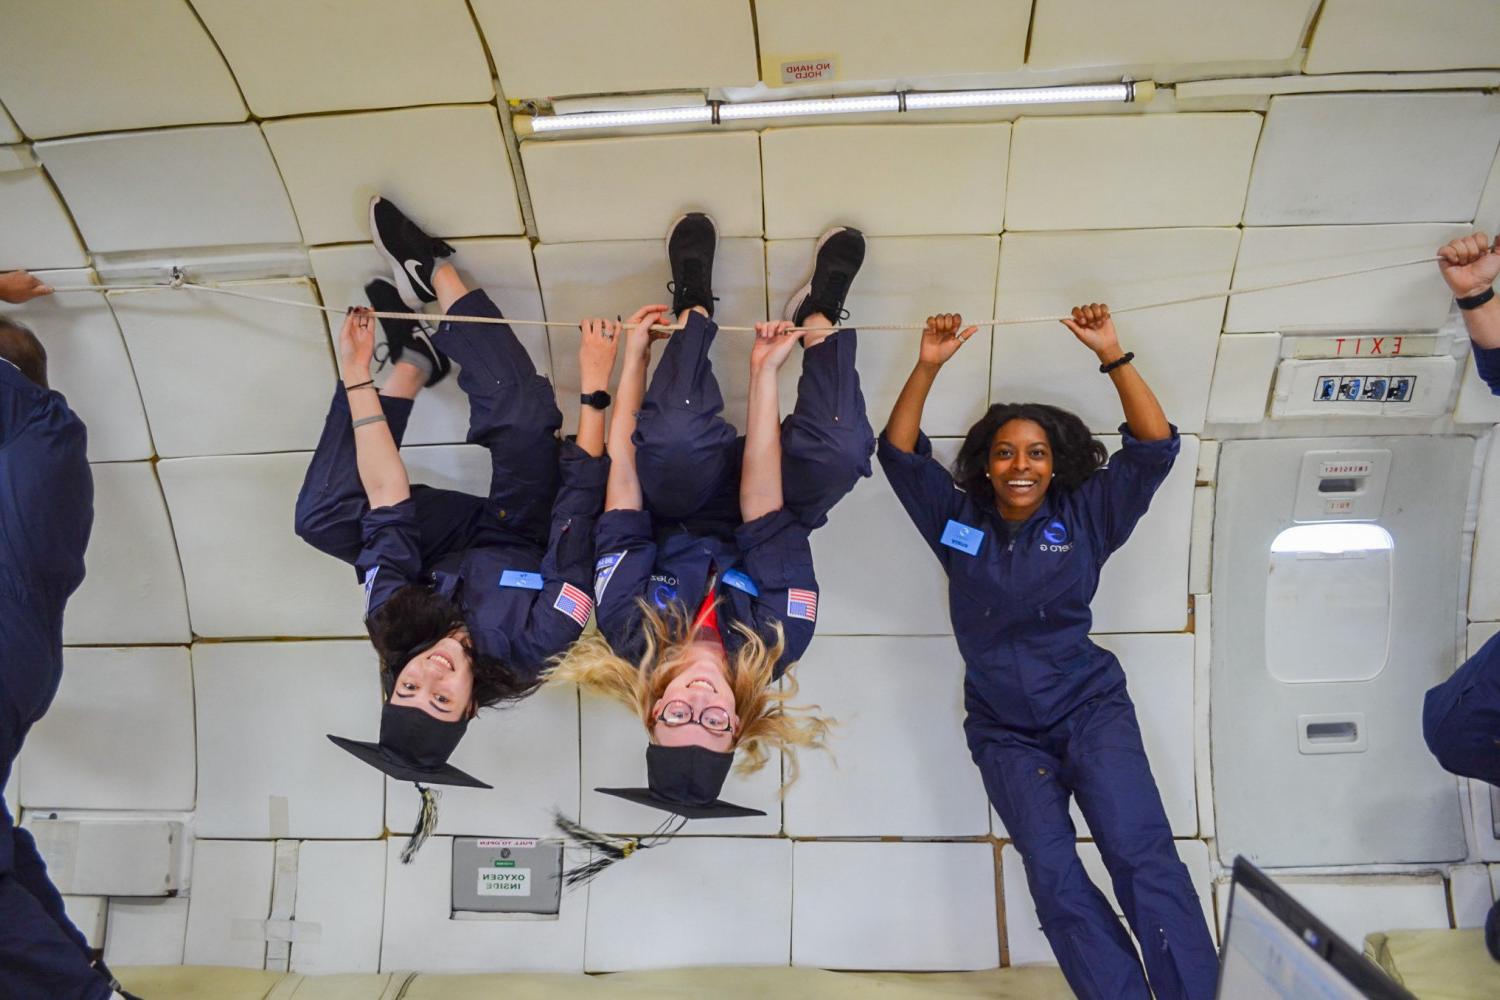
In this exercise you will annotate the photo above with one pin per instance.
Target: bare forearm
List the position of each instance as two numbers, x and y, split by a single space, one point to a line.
760 472
381 471
1143 414
623 489
906 416
1484 323
590 419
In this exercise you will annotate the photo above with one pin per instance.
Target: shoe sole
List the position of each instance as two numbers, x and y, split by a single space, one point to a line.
404 287
667 242
794 303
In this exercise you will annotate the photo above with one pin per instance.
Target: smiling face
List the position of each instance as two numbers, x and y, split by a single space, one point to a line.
700 691
439 680
1020 468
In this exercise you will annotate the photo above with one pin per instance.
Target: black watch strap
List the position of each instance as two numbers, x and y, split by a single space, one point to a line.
1475 301
598 399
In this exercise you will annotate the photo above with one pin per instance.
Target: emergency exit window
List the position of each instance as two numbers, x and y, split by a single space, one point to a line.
1328 602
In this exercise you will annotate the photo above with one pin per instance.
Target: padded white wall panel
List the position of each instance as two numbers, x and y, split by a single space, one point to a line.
190 187
247 573
1470 894
1366 158
145 931
528 752
266 767
1386 36
909 906
750 926
1487 218
1484 572
1161 170
1477 403
87 363
132 590
87 914
885 180
333 164
613 755
119 734
8 131
1242 377
633 188
291 57
1100 33
1358 905
548 48
419 934
904 280
231 892
93 65
1405 298
891 39
1044 274
895 586
899 706
1028 945
502 267
581 280
341 892
222 375
38 232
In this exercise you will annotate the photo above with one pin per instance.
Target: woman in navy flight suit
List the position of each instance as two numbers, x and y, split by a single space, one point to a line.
705 576
467 597
1023 534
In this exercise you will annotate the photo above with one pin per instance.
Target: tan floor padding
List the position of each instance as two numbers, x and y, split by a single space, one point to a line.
1437 965
725 983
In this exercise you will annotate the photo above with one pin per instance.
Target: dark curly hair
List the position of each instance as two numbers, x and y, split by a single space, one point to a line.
412 620
1075 453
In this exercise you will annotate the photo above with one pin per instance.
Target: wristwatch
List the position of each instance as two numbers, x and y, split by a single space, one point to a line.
598 399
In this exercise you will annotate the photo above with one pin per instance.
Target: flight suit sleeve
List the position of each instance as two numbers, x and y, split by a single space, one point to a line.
924 487
625 549
1487 363
1117 496
392 554
778 556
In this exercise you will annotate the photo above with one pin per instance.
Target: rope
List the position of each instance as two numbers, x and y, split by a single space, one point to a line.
1014 321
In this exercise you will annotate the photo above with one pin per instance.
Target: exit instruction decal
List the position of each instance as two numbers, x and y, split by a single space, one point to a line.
1364 388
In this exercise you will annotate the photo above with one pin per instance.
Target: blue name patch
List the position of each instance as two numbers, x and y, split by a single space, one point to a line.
962 537
740 581
520 578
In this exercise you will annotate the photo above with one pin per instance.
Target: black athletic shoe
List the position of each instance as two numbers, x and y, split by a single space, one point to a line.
691 243
1492 932
836 261
412 253
402 335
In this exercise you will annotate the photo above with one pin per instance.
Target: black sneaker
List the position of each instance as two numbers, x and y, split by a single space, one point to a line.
691 243
836 261
1492 932
402 335
412 253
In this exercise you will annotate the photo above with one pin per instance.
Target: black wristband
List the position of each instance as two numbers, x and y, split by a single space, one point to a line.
1123 359
1475 301
359 385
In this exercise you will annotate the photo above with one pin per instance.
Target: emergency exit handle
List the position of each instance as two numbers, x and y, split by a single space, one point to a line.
1320 734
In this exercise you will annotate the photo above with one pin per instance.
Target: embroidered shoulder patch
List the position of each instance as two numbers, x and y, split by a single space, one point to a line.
802 604
574 603
604 570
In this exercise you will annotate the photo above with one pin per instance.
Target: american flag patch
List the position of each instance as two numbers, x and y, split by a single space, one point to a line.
802 604
574 603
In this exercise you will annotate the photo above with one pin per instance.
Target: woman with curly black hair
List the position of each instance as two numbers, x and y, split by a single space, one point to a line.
1023 526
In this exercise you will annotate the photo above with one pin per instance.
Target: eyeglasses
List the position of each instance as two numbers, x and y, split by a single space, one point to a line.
680 713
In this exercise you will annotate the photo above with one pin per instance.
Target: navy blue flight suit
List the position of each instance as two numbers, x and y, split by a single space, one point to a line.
46 513
1461 717
537 522
1048 716
1487 364
688 461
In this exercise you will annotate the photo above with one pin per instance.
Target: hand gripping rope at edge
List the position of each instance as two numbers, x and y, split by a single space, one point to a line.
179 282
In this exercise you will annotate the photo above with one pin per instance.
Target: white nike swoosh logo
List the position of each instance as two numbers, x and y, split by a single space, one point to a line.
411 269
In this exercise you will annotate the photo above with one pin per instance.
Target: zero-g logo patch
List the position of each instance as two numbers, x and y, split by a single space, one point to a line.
1056 537
663 590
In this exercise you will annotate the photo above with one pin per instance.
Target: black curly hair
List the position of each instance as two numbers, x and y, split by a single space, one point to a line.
412 620
1075 453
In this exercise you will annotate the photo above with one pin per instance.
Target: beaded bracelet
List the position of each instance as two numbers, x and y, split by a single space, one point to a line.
1123 359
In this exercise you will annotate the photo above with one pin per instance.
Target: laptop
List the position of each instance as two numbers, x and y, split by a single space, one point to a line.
1273 947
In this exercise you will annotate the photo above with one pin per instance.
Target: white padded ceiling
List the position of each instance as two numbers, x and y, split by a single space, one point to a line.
1365 158
231 883
550 48
242 355
140 931
1160 170
1388 35
188 187
629 189
340 890
904 280
93 65
1243 370
332 164
38 232
1487 216
892 39
292 57
132 591
8 131
1407 298
930 179
1484 583
1048 273
1101 33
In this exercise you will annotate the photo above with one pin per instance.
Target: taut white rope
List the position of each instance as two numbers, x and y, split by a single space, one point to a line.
1012 321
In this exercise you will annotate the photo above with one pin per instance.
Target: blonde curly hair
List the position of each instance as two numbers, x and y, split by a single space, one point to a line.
767 721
